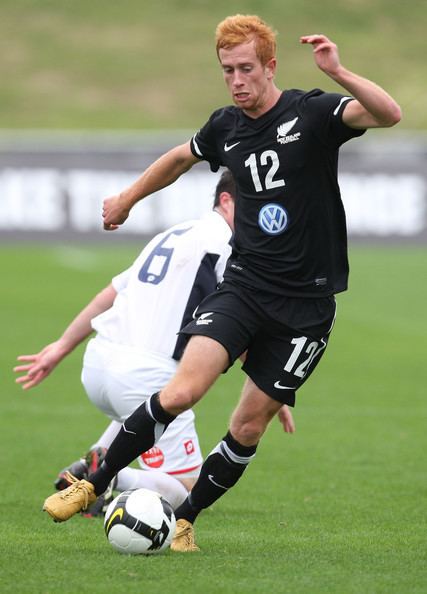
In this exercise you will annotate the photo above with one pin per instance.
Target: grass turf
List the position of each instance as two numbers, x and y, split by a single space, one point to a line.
339 507
139 65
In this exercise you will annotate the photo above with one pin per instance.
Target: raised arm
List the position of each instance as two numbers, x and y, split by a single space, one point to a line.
164 171
40 365
373 108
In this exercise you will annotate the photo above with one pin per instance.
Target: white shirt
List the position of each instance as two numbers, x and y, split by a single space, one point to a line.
164 285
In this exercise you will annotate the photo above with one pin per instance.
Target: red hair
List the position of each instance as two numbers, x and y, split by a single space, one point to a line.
240 28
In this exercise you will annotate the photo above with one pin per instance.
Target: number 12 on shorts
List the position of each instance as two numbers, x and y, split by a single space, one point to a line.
312 350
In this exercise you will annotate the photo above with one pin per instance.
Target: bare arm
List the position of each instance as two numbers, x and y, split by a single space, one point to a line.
164 171
39 365
373 108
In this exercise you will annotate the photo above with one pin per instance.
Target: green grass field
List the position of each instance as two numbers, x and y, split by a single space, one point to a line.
339 507
147 65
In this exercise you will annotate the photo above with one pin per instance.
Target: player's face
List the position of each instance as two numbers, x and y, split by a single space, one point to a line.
249 81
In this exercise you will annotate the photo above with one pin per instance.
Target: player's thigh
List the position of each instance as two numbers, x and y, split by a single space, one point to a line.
252 415
93 380
118 379
204 359
230 317
223 326
116 395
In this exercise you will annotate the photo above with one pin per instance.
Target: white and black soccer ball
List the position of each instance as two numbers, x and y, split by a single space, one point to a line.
139 521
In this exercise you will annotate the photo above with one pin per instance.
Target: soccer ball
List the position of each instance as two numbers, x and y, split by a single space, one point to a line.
139 521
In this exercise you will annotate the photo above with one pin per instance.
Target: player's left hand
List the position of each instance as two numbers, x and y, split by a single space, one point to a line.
325 52
286 418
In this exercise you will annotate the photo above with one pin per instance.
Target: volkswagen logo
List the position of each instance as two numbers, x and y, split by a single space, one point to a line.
273 219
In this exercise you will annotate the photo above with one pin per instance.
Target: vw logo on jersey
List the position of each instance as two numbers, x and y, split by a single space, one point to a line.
273 219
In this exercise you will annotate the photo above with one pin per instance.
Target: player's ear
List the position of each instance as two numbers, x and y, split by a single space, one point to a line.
226 200
270 67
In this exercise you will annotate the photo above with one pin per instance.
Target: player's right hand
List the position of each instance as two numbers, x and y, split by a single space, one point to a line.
114 212
38 366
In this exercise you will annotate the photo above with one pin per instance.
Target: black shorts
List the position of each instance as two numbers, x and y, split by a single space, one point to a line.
284 337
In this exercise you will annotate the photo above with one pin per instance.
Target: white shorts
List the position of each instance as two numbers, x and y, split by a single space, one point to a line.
118 379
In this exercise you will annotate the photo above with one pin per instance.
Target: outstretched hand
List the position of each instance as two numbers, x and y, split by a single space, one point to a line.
39 365
286 418
325 52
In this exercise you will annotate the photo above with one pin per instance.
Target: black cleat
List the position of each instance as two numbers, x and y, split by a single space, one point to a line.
81 468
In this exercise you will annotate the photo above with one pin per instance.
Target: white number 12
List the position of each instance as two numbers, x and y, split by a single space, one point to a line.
312 351
270 182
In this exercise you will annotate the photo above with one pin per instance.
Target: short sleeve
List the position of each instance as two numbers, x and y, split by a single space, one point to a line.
204 143
120 281
325 111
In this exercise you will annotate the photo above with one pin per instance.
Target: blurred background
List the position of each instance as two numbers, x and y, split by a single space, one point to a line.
92 92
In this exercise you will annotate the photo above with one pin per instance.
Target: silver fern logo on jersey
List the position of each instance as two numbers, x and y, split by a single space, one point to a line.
273 219
204 319
282 132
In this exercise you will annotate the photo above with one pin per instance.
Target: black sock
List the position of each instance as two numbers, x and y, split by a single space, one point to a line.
138 434
220 471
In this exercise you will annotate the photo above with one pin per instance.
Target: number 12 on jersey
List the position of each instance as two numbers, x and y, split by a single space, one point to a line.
267 157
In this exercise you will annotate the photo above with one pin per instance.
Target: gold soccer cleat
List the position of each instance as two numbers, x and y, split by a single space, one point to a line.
78 496
183 540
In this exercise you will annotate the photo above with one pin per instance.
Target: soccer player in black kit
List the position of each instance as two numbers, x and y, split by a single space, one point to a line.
276 304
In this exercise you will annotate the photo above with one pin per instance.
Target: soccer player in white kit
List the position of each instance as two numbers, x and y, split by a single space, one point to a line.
137 346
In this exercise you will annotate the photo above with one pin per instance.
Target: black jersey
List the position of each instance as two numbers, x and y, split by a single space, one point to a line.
290 229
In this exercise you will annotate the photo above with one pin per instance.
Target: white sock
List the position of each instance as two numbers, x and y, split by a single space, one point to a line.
170 488
108 436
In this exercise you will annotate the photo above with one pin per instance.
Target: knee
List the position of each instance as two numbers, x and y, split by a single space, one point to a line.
179 399
248 432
